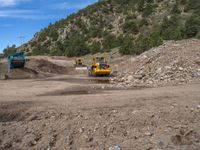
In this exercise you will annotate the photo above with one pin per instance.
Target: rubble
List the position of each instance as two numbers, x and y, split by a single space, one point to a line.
115 148
173 63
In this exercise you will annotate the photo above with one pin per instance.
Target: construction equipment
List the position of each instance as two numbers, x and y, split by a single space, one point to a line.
79 65
99 67
16 61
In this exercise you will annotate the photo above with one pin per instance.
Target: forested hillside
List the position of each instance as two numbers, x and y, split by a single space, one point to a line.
133 26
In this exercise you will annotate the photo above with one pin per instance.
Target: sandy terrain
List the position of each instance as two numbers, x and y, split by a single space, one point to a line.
72 114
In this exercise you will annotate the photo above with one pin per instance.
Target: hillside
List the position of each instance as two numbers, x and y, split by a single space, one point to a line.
133 26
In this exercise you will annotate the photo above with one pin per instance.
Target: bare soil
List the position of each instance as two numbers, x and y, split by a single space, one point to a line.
38 67
48 105
60 113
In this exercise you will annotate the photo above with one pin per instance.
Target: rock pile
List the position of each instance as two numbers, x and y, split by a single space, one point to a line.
175 62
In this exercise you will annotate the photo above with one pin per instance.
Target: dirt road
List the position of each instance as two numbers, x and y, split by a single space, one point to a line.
68 113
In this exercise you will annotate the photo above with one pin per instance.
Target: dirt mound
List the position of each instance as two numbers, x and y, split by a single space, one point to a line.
35 68
42 65
23 73
175 62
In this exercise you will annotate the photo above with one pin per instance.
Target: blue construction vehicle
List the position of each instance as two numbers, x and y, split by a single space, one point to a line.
17 60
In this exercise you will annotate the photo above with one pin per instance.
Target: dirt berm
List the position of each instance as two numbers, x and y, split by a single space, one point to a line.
37 67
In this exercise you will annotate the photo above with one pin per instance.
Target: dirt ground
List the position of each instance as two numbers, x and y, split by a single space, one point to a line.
48 105
72 113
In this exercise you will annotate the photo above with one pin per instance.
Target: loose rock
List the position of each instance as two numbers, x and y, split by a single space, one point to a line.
115 148
173 63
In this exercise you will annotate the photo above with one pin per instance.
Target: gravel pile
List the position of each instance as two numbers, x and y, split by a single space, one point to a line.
175 62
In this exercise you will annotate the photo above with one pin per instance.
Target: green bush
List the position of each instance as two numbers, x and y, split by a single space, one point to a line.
148 10
110 42
155 39
144 43
131 26
94 32
37 51
130 17
42 36
95 47
75 46
40 50
10 50
141 4
175 9
53 34
193 5
192 25
58 50
127 46
141 44
143 22
198 35
171 29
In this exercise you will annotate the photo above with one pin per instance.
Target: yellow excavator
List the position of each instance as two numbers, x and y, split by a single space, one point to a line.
99 67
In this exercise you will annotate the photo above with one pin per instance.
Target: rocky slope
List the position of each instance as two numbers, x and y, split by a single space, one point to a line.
174 62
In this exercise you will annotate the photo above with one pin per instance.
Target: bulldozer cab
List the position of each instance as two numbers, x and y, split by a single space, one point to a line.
99 60
79 62
79 65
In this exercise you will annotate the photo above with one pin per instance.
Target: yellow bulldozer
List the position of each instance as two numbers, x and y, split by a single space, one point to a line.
79 65
99 67
79 62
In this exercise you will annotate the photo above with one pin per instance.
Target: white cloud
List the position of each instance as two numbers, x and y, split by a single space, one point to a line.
9 3
38 14
25 14
73 4
16 12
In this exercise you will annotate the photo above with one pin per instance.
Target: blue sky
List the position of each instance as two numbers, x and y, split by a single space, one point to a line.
21 19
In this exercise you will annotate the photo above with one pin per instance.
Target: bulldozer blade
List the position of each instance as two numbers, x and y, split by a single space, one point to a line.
81 68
